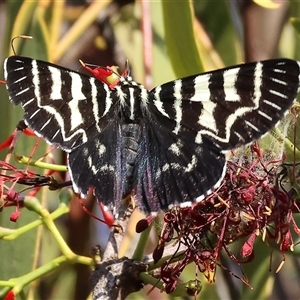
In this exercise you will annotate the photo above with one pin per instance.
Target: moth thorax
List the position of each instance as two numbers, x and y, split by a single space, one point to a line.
131 103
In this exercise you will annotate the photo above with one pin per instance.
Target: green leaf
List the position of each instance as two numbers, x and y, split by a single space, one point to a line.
180 40
296 24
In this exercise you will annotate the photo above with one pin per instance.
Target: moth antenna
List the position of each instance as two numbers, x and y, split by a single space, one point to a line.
127 67
18 37
83 64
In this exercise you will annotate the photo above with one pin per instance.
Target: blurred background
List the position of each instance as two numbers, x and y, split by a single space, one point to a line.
163 40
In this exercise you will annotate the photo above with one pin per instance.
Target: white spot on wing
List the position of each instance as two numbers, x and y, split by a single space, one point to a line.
158 103
76 117
272 104
121 95
191 166
55 134
206 118
56 83
37 111
278 94
230 91
279 81
27 102
107 168
257 84
177 105
185 204
5 69
240 138
175 149
20 79
144 97
47 122
91 166
94 100
76 87
36 80
108 100
251 125
22 91
100 147
202 92
20 68
264 115
279 71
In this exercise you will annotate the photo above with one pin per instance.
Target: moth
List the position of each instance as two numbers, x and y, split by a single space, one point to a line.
165 146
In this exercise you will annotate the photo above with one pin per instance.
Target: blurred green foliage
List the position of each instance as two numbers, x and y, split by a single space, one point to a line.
179 47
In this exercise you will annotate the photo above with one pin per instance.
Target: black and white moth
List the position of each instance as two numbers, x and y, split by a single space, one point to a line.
165 146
